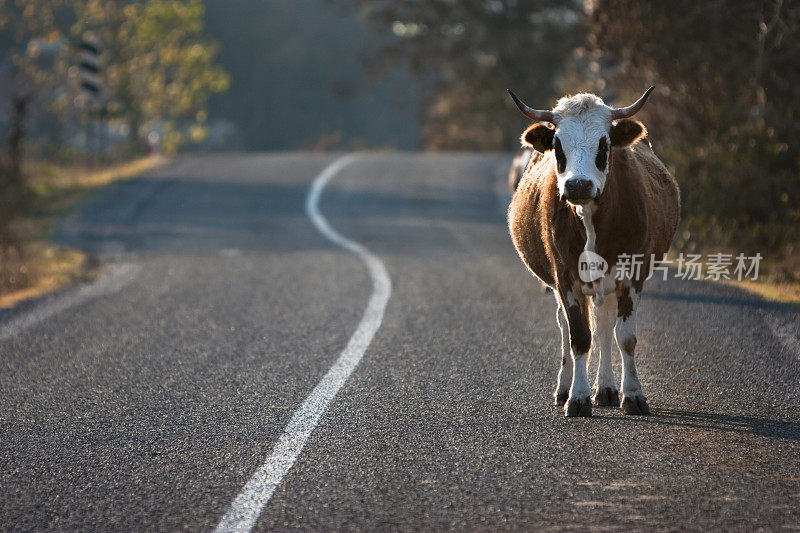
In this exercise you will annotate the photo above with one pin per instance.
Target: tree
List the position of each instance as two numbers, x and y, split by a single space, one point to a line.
466 53
158 71
158 67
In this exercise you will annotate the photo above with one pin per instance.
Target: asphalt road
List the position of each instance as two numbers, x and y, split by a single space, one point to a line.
147 402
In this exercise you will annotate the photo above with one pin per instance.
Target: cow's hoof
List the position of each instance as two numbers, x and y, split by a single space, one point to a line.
578 407
606 396
635 405
561 398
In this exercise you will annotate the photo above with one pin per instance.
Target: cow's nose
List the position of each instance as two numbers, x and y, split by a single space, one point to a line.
578 189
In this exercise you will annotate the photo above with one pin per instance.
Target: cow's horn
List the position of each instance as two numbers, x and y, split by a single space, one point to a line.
535 115
625 112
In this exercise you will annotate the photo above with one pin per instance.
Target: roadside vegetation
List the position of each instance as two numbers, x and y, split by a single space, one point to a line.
37 266
91 91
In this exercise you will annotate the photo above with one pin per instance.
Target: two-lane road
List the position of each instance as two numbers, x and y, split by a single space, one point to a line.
149 402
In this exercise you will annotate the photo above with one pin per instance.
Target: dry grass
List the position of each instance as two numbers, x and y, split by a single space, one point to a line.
44 267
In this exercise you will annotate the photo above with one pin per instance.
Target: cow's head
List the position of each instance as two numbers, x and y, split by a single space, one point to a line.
581 131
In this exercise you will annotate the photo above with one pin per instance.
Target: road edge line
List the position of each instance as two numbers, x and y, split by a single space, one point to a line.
114 279
256 493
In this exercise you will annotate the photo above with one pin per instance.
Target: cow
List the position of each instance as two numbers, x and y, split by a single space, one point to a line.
598 188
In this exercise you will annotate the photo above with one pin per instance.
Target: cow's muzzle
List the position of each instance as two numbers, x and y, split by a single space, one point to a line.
579 190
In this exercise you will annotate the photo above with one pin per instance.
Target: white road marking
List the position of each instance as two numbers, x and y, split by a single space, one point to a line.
245 509
117 277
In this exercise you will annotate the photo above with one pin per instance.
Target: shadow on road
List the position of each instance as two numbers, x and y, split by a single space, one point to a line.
729 423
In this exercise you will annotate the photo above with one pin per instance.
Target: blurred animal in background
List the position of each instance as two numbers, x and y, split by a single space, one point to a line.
518 166
595 195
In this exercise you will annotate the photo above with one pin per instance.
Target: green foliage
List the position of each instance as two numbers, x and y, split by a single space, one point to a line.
159 68
158 72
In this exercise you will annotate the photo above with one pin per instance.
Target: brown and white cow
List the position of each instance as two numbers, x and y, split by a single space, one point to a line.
598 188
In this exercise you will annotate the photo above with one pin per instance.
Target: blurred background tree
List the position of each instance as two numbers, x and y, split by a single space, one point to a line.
299 79
464 55
157 70
156 74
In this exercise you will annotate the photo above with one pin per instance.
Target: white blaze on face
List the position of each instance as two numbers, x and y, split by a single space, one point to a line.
582 121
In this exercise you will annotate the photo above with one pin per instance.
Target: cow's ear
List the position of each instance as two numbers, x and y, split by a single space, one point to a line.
538 136
626 132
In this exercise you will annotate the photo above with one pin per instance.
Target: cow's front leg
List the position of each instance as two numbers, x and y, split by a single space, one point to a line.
604 318
580 337
633 400
565 372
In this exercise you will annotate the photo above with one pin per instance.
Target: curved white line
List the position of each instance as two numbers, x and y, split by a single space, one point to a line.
245 509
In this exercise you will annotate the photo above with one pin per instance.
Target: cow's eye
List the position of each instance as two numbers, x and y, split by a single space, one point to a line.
561 159
602 154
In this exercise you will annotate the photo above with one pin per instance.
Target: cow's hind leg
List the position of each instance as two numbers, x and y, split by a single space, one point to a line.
633 400
603 317
565 372
579 402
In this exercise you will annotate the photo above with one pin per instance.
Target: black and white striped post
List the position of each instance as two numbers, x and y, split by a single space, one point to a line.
89 67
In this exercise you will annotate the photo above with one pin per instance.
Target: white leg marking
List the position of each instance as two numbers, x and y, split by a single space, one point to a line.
633 401
247 506
605 315
580 381
625 332
579 402
565 372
